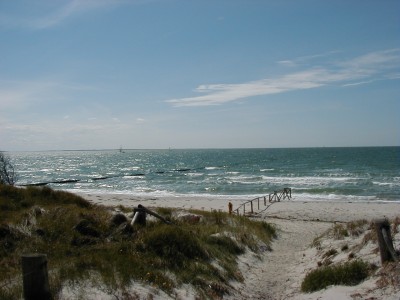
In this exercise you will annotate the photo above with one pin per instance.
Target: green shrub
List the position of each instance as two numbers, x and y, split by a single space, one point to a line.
350 273
172 243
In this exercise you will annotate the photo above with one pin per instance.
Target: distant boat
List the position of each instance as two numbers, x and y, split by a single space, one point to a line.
120 150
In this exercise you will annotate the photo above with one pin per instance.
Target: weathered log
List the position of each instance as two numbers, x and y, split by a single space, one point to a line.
140 215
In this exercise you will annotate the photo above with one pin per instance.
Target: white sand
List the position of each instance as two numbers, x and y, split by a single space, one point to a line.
324 211
278 274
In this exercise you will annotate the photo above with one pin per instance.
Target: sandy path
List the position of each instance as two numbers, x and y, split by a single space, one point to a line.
277 275
272 277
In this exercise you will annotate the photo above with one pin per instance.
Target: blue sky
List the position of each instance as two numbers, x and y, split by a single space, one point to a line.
99 74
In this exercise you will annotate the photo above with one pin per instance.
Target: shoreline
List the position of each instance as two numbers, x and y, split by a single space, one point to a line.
311 210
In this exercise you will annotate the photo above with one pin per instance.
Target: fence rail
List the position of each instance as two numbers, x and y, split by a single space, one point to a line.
276 196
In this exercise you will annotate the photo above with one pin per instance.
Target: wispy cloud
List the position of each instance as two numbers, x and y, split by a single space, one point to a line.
56 15
18 94
223 93
53 133
15 94
358 83
365 68
306 59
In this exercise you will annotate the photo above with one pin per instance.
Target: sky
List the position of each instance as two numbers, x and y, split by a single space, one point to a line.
144 74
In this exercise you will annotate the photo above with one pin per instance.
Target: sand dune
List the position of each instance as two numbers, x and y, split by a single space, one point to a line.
278 274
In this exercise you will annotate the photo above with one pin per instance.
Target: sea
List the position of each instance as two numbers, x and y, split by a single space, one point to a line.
319 174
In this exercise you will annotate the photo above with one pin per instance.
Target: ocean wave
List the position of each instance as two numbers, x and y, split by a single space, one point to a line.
389 184
308 180
194 174
330 197
374 174
213 168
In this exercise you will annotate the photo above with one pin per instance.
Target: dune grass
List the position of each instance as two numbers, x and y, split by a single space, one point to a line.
349 273
83 244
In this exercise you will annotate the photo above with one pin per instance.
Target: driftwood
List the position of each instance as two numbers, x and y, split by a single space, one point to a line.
140 216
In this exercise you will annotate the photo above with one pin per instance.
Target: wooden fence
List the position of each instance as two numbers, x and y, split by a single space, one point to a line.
276 196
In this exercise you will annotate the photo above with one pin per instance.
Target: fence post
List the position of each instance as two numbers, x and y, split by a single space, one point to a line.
230 207
386 249
35 277
251 204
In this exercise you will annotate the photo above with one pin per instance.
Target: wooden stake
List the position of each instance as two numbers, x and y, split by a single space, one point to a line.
35 277
386 249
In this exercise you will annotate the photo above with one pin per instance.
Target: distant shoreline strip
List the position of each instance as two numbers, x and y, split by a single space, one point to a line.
66 181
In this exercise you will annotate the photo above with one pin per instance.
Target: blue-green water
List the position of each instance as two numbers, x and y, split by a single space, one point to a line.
350 174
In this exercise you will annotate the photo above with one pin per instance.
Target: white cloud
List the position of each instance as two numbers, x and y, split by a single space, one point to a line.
306 59
60 14
370 67
393 76
376 60
287 63
358 83
223 93
72 8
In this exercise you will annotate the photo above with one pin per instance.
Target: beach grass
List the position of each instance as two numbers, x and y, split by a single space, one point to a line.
84 245
349 273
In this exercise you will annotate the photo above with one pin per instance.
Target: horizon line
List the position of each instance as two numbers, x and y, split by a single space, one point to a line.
194 148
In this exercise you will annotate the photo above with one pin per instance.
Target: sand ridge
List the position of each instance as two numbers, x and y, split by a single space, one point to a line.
277 274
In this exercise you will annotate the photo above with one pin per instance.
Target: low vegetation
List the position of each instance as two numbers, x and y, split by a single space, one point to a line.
347 254
349 273
92 244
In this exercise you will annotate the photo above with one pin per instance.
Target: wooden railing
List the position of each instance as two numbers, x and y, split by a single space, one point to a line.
276 196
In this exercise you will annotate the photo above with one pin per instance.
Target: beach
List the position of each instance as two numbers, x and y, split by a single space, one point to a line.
277 274
324 211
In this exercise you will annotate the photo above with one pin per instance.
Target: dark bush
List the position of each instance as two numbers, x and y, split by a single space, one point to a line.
350 273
